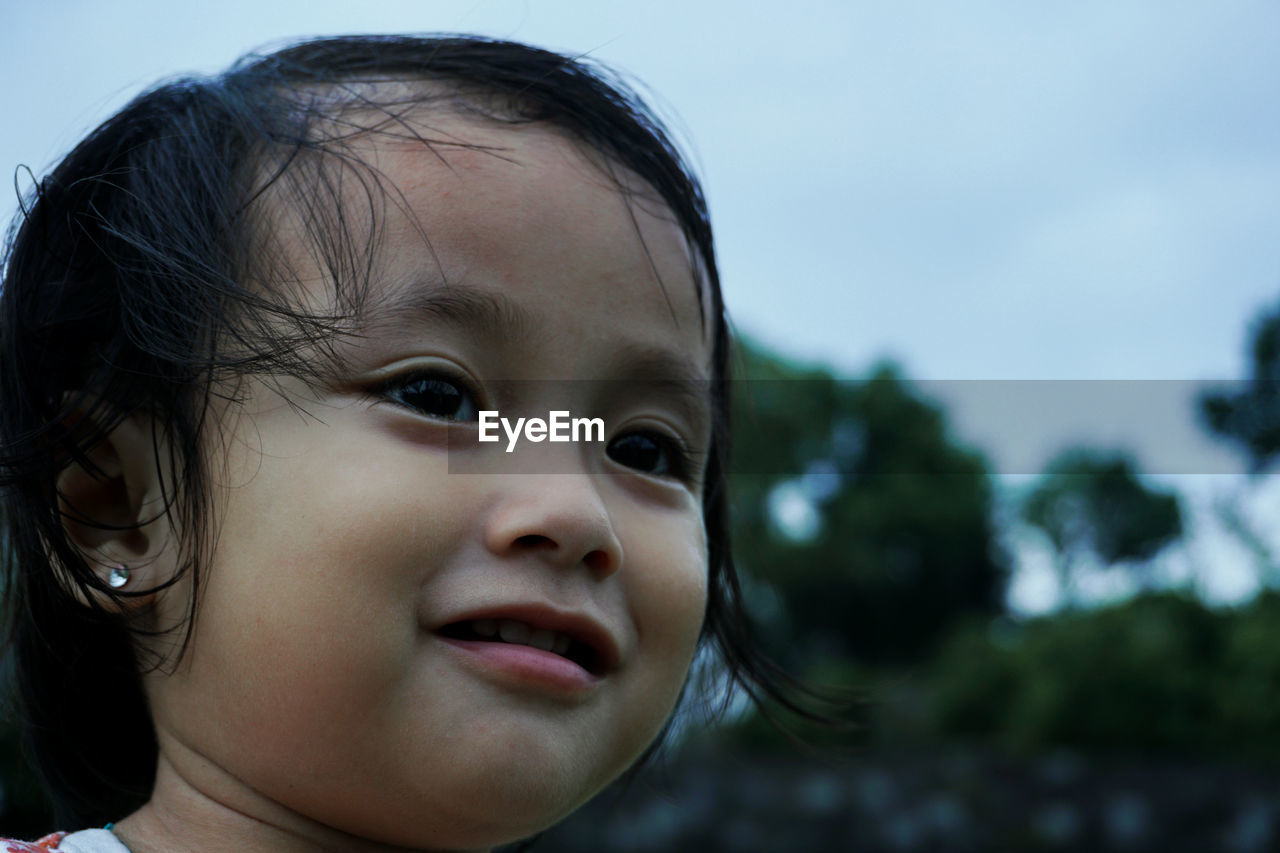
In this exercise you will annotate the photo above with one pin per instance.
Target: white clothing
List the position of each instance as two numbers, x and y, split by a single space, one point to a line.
92 841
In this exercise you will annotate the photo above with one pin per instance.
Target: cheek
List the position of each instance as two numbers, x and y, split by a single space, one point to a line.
676 599
667 591
310 606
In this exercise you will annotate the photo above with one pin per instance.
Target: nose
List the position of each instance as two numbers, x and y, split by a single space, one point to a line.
560 518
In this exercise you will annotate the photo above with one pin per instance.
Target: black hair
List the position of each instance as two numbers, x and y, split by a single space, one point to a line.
132 282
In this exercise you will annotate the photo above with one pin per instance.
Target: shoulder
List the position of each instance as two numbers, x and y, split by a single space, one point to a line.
87 841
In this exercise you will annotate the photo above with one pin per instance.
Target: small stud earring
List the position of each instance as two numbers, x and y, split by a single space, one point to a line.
118 576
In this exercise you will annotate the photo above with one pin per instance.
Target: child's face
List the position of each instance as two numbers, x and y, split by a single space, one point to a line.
335 677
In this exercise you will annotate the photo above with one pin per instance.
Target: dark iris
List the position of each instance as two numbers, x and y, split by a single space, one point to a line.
433 395
644 452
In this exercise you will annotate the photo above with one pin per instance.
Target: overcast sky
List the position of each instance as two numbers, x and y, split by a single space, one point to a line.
978 190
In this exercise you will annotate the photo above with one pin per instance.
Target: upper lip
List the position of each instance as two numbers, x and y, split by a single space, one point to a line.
578 626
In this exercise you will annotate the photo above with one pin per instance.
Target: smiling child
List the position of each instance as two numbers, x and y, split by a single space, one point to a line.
267 589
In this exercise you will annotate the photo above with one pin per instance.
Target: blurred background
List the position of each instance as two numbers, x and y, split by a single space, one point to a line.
1008 281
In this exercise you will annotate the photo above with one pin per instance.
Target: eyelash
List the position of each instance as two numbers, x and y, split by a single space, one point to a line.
396 389
676 462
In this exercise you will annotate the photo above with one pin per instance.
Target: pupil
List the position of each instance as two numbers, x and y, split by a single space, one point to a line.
639 452
438 397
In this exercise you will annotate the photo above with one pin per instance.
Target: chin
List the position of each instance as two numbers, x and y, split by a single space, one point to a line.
520 798
499 798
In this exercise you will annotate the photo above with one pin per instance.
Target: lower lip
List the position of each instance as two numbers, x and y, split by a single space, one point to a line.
526 666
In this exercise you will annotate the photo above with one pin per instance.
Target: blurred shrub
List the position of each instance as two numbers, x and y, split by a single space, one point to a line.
1249 689
1160 673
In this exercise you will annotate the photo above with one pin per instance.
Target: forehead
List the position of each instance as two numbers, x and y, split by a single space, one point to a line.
456 201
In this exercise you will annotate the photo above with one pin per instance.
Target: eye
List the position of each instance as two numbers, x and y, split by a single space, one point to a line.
651 452
433 393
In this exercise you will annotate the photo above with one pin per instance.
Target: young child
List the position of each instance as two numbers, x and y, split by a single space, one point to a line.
267 589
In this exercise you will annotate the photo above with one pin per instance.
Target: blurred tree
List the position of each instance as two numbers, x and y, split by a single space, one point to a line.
1250 416
1092 504
871 529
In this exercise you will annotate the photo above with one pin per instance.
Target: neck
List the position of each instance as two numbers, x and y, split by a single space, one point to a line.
207 812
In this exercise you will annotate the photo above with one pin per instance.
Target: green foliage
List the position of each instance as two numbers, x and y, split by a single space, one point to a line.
1250 417
1160 673
902 545
1089 502
1249 704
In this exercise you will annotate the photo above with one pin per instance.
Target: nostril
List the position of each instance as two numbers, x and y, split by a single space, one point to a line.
597 561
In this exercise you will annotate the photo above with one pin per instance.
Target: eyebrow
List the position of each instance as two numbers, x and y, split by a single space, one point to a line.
657 364
671 373
480 312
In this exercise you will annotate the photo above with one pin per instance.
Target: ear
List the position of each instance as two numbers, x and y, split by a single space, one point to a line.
113 510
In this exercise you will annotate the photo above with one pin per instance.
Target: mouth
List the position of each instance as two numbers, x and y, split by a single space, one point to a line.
577 640
523 634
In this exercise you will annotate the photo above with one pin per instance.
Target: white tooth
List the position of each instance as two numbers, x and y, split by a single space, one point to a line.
543 639
561 644
514 632
485 627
